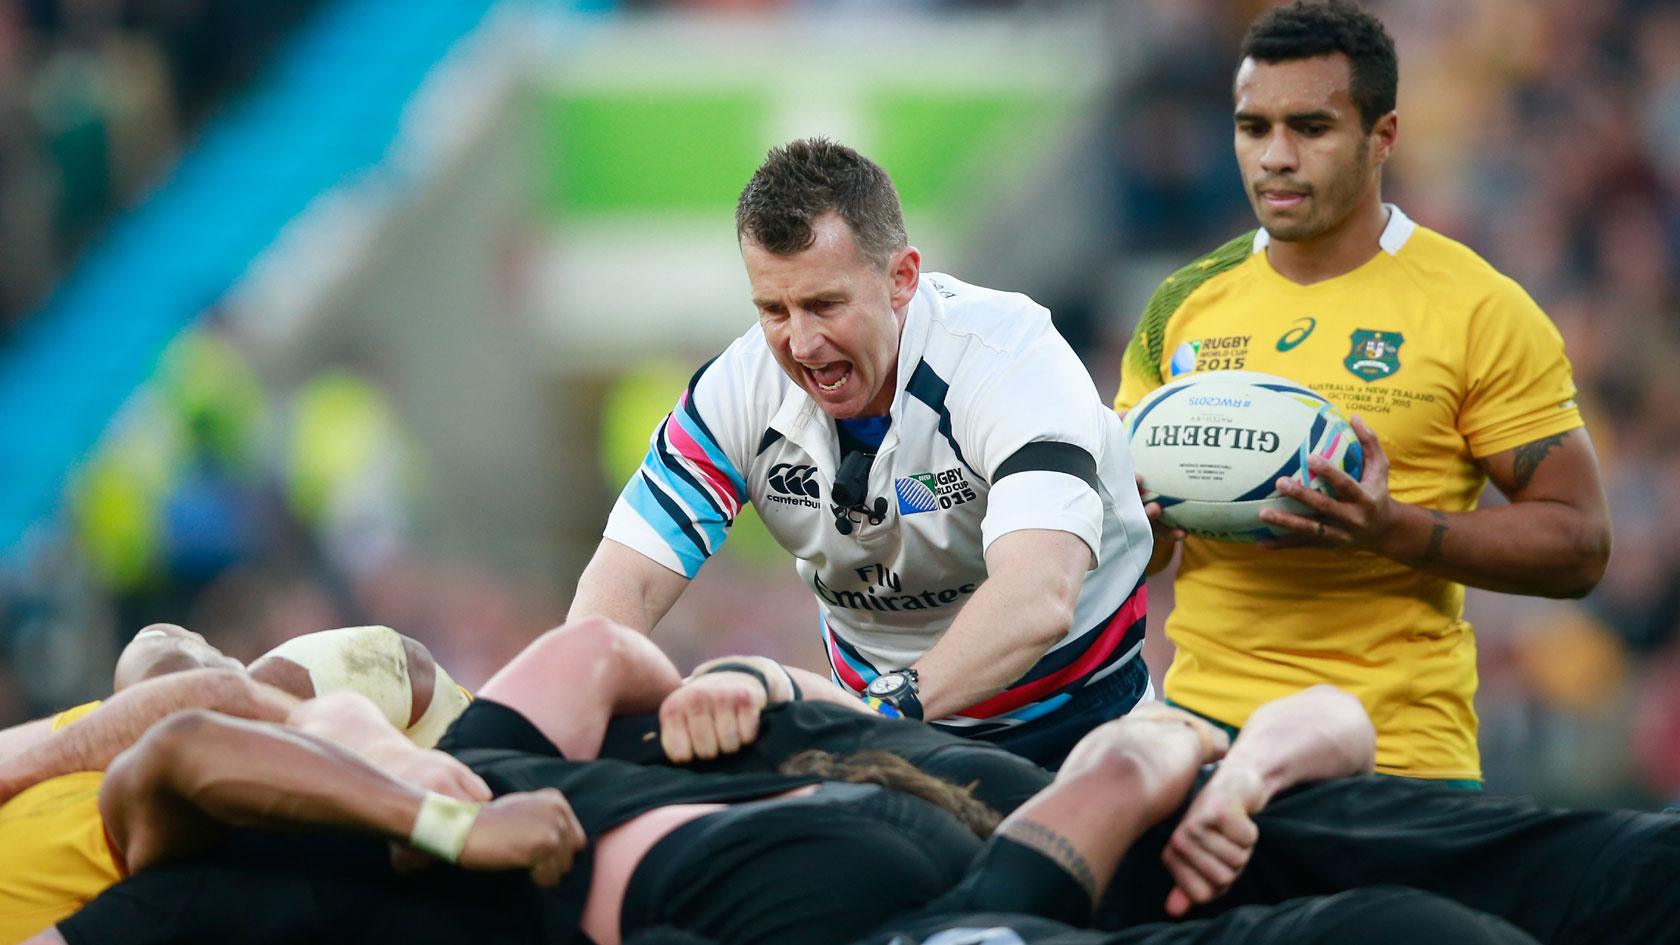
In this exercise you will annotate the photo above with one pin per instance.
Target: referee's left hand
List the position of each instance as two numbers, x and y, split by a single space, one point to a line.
1361 513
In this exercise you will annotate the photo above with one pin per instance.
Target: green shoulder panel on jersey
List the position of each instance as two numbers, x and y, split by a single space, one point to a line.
1144 352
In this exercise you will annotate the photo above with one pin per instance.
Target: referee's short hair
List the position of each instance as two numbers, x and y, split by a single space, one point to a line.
1309 28
805 179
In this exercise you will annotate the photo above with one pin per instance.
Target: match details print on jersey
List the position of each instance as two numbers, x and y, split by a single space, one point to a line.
1448 362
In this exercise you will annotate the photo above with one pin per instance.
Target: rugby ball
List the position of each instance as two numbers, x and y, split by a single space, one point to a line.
1210 448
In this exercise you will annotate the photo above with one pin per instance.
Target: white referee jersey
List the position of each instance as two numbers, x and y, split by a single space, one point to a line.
996 427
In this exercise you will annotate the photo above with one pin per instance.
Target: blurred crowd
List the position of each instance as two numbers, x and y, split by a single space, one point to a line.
1546 135
96 100
253 512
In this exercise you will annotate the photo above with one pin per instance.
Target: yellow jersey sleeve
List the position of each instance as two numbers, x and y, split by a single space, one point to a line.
1520 385
1134 383
1145 364
75 714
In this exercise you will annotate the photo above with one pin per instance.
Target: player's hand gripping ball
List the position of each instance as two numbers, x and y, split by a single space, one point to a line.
1210 448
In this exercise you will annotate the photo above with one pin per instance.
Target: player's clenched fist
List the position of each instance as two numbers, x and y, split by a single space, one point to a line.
1212 842
535 831
711 715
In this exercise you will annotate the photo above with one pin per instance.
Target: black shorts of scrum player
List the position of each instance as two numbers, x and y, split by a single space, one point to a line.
1505 856
269 889
819 869
1563 876
1378 916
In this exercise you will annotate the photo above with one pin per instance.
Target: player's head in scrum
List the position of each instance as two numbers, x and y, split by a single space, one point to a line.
831 272
1315 117
163 648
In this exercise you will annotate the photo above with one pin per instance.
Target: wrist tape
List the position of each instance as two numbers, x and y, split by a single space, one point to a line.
442 827
733 667
793 685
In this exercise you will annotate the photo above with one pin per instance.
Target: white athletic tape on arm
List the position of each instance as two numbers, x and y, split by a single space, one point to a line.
449 700
442 827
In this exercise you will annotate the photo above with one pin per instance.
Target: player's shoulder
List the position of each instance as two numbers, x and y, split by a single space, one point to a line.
745 371
1198 274
963 312
749 353
996 353
1176 290
1455 273
1205 268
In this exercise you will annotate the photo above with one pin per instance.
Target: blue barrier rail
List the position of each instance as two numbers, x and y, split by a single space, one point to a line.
326 110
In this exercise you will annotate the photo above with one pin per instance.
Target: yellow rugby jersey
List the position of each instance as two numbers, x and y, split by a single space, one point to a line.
54 857
74 714
1448 361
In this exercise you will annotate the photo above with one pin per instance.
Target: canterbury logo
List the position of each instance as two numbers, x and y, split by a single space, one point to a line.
789 479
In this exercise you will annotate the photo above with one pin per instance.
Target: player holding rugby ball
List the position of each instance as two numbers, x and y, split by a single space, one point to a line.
1455 375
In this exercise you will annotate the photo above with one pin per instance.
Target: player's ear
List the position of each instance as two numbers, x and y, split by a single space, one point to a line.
1383 136
904 268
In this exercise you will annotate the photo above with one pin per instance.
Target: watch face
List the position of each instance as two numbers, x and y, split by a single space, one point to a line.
886 685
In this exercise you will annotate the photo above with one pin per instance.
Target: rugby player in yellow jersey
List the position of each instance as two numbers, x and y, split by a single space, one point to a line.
1453 374
54 851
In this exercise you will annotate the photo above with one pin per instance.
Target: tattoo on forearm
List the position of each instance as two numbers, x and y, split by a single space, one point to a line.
1529 456
1437 535
1055 846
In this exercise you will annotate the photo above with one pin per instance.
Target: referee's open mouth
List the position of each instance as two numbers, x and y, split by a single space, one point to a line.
830 377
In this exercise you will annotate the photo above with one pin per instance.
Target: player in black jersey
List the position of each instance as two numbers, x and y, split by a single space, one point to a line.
877 852
1319 839
1562 876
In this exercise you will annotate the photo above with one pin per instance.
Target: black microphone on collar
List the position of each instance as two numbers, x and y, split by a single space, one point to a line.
851 484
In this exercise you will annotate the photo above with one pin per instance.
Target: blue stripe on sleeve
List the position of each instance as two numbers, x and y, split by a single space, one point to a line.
667 473
668 520
697 429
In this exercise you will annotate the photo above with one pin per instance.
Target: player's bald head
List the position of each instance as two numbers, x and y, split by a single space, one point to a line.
164 648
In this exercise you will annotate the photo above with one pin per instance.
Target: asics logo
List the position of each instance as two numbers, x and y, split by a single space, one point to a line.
1294 336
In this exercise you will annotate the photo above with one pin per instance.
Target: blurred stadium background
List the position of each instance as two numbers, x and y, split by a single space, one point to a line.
359 311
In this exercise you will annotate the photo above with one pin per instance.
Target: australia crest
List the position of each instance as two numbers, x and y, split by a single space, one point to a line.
1375 354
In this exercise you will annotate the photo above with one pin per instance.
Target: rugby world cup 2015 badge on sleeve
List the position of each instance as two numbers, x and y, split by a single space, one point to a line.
1375 354
926 492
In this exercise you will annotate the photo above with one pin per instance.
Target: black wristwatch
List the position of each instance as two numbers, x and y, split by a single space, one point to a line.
899 690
